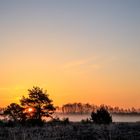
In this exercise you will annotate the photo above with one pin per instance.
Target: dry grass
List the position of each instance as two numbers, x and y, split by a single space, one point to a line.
73 131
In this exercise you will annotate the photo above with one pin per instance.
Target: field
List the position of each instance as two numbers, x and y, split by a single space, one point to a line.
73 131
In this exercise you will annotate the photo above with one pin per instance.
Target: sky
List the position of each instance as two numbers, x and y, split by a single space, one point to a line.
78 50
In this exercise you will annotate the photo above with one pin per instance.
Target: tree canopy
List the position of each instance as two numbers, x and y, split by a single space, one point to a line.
32 108
39 100
15 112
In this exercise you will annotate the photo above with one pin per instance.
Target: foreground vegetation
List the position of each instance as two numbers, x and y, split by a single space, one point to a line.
73 131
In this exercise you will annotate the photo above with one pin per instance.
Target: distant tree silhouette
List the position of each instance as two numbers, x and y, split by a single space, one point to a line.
88 108
101 116
41 103
15 112
78 108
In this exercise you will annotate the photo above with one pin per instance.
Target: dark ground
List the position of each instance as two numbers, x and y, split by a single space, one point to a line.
73 131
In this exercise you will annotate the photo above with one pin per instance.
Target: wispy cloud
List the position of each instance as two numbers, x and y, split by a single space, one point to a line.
75 63
92 63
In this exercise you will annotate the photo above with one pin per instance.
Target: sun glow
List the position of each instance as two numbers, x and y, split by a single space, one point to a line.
30 110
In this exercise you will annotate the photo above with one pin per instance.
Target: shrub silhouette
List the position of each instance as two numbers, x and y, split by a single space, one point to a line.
102 116
40 102
15 112
65 121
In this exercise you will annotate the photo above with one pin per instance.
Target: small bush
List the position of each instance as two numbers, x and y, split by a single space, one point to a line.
33 122
59 121
102 116
85 121
1 123
10 124
54 120
65 121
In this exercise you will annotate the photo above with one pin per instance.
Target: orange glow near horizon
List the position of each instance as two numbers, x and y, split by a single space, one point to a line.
71 96
77 55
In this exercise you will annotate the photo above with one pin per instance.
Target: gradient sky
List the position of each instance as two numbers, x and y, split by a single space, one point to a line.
79 50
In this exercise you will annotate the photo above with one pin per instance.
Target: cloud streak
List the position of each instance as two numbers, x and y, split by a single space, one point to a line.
91 62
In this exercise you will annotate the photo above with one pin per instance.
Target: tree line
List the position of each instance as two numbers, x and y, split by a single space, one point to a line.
88 108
